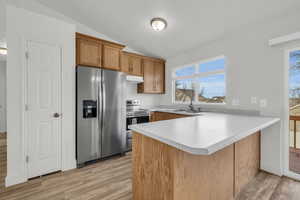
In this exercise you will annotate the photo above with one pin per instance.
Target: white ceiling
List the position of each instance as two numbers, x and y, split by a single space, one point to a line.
190 22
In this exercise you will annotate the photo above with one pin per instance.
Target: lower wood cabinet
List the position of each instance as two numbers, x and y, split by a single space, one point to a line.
159 116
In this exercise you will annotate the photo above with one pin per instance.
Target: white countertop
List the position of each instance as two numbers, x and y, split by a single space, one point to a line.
206 133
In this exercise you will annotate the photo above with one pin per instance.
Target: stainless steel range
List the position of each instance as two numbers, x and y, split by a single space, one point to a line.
134 115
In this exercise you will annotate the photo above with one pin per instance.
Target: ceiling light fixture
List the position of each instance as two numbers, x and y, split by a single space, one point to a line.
3 51
158 24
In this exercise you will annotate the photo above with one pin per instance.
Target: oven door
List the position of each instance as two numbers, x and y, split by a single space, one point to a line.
136 120
131 121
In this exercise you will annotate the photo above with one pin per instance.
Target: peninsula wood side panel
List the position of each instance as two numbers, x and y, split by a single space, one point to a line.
204 177
247 160
152 169
162 172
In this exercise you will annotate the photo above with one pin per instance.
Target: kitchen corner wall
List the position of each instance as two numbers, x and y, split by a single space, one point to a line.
2 96
254 69
147 100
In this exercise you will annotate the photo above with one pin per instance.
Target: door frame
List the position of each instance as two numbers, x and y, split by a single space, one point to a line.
286 131
24 129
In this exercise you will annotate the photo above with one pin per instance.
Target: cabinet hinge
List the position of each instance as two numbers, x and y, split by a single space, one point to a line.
27 159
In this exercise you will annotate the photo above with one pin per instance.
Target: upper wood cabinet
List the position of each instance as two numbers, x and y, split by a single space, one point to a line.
148 86
154 76
159 77
88 52
131 64
95 52
91 51
111 57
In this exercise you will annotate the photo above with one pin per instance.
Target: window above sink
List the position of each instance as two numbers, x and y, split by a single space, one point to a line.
203 82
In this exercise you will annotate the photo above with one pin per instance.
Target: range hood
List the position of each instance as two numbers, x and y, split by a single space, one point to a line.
136 79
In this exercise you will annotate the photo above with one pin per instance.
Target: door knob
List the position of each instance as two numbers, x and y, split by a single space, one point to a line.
56 115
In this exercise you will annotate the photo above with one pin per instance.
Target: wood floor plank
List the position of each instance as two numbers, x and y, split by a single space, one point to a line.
287 189
261 188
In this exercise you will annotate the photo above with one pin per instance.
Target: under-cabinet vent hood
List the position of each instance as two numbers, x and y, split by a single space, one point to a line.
136 79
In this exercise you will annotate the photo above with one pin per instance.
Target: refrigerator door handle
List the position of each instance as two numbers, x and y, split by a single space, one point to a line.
100 111
103 91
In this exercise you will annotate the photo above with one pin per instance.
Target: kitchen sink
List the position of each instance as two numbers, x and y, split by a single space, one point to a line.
188 111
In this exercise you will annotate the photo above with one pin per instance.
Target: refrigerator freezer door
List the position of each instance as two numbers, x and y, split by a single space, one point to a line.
88 114
113 124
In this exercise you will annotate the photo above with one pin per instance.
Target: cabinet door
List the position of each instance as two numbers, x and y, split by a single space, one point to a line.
159 116
136 66
149 79
159 85
88 53
125 63
111 57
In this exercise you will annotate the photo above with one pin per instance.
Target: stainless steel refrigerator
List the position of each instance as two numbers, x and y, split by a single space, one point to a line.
101 114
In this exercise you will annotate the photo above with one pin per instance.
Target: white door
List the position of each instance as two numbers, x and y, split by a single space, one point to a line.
43 116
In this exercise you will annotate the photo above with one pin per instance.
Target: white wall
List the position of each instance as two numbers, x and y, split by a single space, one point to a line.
147 100
254 69
35 6
23 25
2 96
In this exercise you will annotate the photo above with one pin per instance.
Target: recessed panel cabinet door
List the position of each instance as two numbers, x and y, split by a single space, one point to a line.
111 57
125 63
88 53
159 77
136 66
149 79
43 114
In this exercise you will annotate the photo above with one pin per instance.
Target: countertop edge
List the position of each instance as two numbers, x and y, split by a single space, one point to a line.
211 148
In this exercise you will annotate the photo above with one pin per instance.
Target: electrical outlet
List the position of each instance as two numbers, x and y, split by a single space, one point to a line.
235 102
263 103
253 100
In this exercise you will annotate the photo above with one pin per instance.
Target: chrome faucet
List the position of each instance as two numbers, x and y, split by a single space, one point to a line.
191 106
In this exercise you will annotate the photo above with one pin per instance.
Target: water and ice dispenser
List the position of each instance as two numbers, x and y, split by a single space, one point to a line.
89 109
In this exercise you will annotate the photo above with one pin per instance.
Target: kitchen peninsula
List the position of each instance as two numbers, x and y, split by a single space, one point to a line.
207 157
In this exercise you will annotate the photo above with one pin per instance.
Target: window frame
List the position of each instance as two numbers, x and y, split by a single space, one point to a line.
199 74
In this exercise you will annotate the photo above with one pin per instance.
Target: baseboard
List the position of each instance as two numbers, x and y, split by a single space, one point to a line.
14 180
272 170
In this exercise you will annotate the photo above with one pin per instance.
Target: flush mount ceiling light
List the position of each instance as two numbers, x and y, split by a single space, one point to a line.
158 24
3 51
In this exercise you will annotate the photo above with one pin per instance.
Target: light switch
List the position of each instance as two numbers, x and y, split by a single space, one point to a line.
263 103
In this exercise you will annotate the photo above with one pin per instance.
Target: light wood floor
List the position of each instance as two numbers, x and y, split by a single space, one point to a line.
111 180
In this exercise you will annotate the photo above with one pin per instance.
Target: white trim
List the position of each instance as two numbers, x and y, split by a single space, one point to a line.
14 179
285 131
197 63
198 74
284 39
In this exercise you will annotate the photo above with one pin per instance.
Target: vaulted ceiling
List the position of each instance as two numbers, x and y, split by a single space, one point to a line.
190 22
